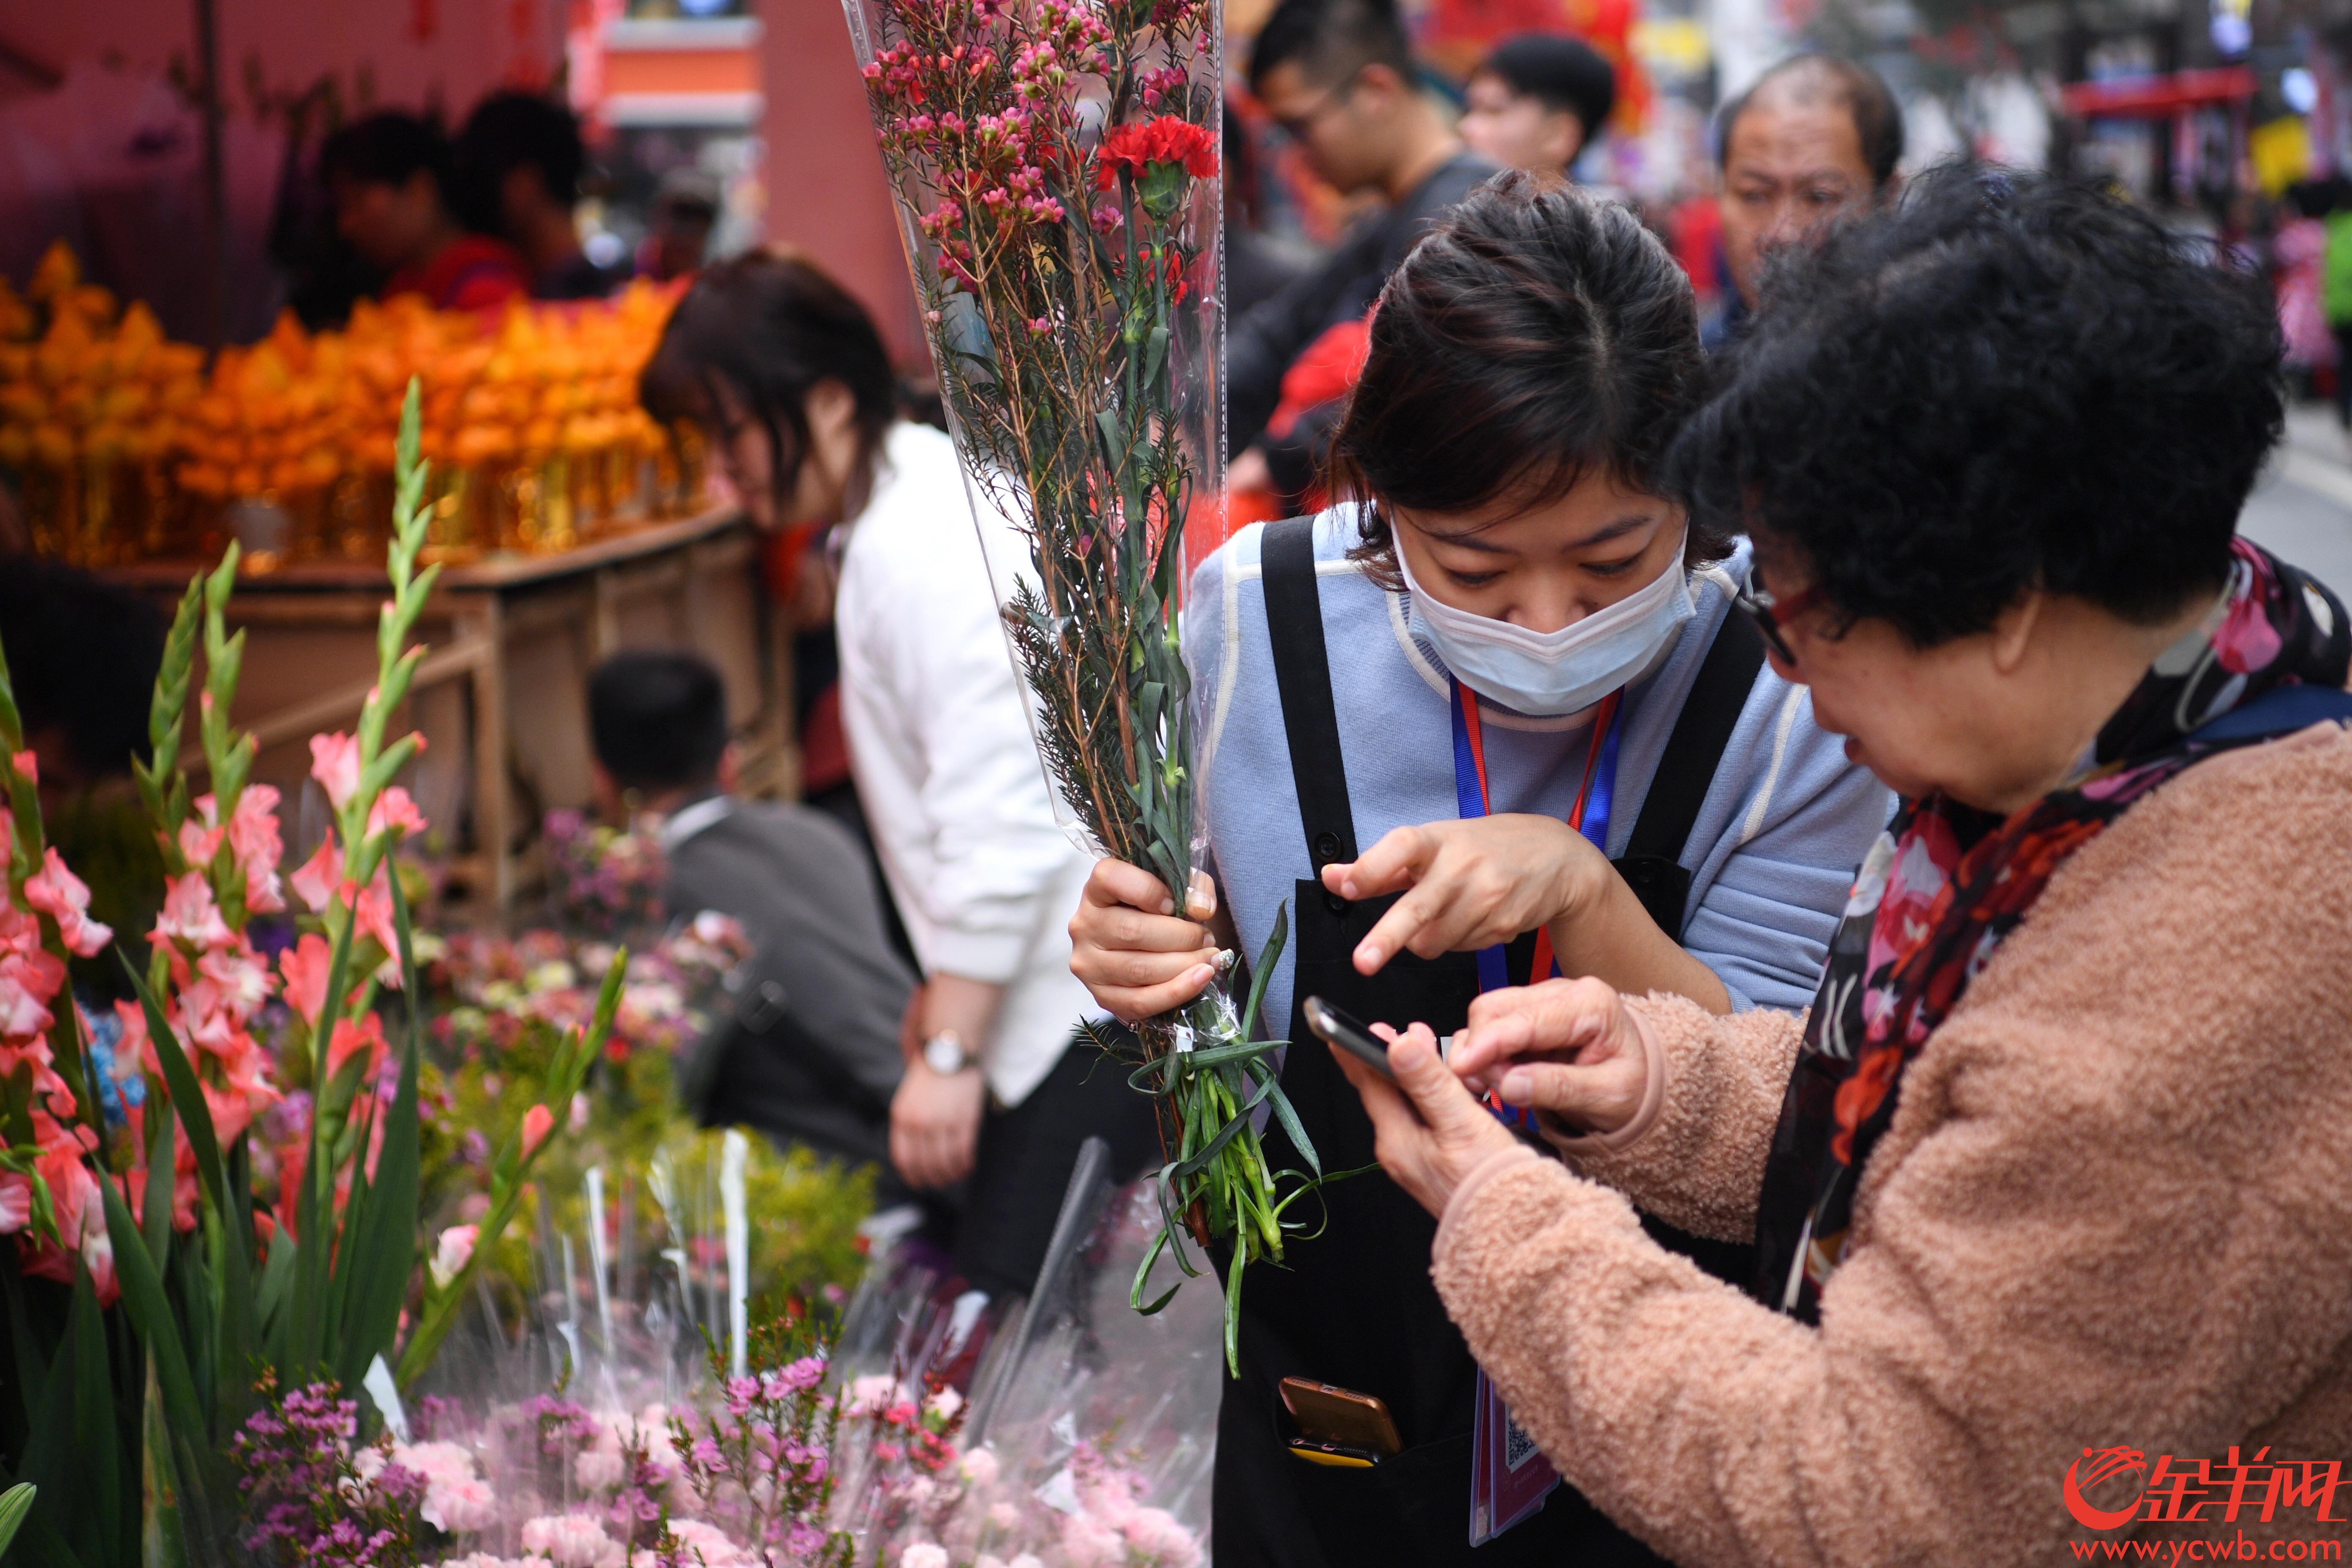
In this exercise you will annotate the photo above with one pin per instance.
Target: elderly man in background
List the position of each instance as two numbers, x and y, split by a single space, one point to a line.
1814 139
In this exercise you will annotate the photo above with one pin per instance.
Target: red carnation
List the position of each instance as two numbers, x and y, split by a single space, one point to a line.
1165 139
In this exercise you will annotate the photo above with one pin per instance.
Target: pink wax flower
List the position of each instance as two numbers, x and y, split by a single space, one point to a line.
923 1554
335 763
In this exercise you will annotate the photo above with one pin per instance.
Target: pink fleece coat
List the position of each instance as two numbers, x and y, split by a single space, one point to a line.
2114 1209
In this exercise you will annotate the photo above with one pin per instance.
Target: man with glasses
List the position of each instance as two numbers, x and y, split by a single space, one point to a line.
1337 76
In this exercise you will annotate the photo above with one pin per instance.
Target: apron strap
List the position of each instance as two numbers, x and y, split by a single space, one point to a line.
1302 675
1652 864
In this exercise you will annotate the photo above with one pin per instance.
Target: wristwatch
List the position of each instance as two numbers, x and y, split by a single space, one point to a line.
945 1053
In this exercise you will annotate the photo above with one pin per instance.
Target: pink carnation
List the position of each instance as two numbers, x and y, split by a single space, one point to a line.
573 1540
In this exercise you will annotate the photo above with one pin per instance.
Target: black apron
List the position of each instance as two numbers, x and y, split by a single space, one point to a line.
1355 1306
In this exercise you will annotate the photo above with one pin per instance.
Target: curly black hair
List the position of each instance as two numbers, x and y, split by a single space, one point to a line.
1536 333
2006 381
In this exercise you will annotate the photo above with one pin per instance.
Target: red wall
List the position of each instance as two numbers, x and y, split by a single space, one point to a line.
826 190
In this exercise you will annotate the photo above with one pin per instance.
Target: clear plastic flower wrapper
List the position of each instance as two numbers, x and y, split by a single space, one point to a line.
1056 164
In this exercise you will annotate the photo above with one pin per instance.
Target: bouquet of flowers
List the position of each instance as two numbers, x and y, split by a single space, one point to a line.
1056 164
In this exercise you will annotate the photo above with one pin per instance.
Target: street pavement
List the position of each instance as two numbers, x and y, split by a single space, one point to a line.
2301 510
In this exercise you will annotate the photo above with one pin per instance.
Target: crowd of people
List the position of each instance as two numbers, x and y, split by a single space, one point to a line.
471 221
1841 839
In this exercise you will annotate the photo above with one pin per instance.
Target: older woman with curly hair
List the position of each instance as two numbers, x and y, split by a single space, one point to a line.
2051 1187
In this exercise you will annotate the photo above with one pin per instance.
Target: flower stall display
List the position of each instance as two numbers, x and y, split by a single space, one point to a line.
126 446
803 1449
91 404
179 1214
1055 166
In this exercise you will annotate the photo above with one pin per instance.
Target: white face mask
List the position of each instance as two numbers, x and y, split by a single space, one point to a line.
1546 674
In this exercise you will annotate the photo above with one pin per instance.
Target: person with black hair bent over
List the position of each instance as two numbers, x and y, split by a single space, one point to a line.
1513 665
809 1050
1000 1090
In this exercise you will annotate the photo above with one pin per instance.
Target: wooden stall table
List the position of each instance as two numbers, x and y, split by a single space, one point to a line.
501 693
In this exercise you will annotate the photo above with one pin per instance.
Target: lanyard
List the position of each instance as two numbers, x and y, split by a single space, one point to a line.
1590 818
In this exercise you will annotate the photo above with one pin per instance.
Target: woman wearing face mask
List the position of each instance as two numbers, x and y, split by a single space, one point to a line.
1480 667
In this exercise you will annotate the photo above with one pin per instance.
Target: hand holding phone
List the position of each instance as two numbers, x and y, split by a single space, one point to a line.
1331 1025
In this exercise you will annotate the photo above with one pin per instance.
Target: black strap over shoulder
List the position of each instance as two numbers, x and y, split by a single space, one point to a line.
1652 864
1302 675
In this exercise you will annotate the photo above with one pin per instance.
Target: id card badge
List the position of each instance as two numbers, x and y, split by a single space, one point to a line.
1509 1477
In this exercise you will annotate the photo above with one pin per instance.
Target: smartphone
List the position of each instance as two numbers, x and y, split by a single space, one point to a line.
1339 1419
1330 1023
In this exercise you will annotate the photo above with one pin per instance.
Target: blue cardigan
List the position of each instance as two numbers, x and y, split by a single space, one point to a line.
1771 855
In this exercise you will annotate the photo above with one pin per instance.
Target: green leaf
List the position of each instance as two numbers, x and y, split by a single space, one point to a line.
163 1529
161 1160
187 1098
1268 957
15 1504
150 1313
1293 1127
97 1474
380 1252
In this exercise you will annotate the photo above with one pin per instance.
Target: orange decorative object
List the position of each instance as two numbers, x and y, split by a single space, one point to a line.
126 447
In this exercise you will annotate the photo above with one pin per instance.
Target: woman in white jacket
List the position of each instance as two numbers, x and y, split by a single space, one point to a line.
788 373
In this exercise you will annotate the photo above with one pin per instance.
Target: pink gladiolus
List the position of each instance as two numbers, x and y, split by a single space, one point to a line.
20 931
191 916
455 1250
394 810
22 1009
29 764
57 892
305 966
199 843
373 908
349 1037
239 971
335 763
253 837
16 1202
536 1123
314 883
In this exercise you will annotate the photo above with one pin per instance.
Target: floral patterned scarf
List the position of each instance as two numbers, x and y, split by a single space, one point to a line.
1946 883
